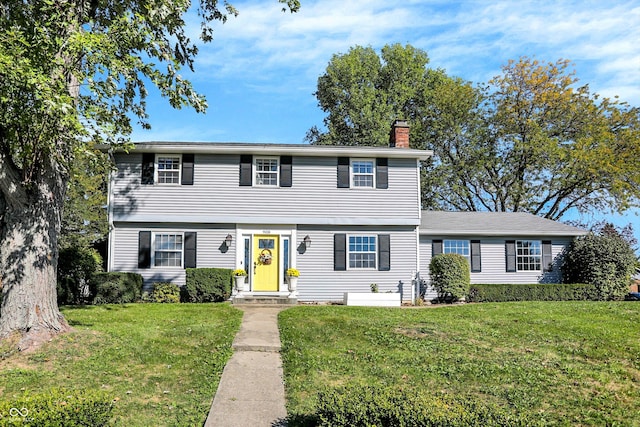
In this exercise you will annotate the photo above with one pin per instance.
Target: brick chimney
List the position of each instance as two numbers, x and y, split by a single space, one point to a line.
399 137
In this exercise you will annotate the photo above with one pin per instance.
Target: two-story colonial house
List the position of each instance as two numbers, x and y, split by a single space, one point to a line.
345 216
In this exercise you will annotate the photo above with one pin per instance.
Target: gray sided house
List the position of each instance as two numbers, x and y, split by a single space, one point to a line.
345 217
502 247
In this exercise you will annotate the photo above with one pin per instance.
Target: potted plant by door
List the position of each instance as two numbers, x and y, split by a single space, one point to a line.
239 277
292 279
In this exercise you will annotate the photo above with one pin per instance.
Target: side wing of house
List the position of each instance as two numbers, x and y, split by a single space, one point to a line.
514 260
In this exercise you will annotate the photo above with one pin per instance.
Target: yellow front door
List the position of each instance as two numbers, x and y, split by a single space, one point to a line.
265 263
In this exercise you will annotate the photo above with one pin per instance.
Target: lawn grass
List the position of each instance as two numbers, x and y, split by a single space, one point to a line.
564 363
161 362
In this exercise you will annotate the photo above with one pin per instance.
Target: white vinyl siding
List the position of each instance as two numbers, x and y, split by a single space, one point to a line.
216 197
125 251
167 169
494 262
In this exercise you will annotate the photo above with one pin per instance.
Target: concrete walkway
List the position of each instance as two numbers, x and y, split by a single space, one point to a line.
251 391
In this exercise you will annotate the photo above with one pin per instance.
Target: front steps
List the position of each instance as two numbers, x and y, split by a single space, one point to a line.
263 300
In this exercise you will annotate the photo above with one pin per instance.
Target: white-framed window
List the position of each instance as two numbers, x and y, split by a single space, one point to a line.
363 173
168 249
168 168
528 255
362 251
267 171
460 247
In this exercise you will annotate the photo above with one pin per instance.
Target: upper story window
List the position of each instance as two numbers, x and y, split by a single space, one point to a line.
460 247
168 169
167 250
266 171
362 252
528 255
363 173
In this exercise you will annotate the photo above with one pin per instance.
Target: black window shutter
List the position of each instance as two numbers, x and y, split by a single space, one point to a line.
384 252
246 174
510 250
382 173
547 258
343 172
339 252
148 161
476 262
436 248
285 171
144 249
190 249
187 169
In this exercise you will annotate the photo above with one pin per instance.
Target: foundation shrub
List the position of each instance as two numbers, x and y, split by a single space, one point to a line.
375 406
77 264
207 285
607 262
116 288
57 408
165 292
532 292
450 276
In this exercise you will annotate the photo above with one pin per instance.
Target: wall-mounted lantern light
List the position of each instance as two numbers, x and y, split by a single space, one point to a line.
307 241
228 240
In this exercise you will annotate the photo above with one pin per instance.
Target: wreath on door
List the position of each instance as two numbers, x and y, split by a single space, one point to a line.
265 257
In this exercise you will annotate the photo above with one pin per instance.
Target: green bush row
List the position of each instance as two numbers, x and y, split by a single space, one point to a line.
56 409
163 292
207 285
532 292
374 406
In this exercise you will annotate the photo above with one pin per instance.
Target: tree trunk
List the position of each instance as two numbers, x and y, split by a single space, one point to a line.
29 229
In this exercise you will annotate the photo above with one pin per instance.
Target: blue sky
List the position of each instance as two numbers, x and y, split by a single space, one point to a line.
260 72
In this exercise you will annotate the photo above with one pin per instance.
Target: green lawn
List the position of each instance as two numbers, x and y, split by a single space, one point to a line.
564 363
161 363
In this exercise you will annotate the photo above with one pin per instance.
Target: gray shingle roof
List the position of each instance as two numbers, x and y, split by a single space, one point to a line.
440 223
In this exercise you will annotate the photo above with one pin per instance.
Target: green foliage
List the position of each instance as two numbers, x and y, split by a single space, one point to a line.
450 276
607 262
77 264
374 288
207 285
363 93
116 288
165 293
57 408
360 406
532 292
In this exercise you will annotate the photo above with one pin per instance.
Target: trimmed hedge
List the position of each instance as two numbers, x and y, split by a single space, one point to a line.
116 288
207 285
374 406
57 408
532 292
165 292
450 276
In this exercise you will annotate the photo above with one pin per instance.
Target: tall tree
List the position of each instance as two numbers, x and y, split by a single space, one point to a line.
71 74
543 145
363 92
530 140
